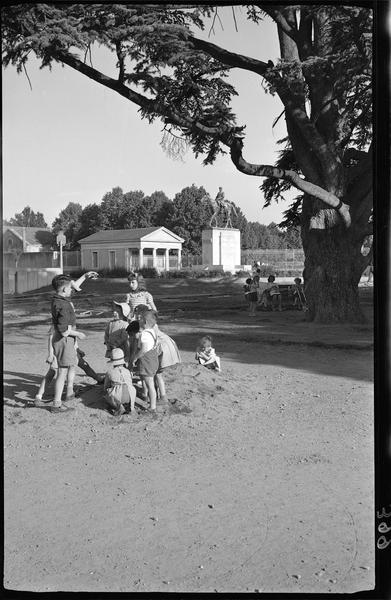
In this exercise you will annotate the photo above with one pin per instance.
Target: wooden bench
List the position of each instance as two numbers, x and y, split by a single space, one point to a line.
287 296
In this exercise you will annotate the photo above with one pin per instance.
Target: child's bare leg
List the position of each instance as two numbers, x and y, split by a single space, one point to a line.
150 385
132 399
218 363
159 380
88 370
70 379
145 389
50 375
59 385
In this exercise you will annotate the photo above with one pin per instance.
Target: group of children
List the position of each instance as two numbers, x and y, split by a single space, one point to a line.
137 349
271 295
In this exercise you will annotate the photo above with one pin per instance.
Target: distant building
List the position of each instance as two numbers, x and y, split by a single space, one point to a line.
27 239
131 249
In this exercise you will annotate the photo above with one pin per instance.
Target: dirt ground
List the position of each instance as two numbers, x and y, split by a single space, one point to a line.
258 478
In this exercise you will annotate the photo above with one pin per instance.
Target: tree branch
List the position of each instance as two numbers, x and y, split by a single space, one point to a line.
308 130
153 107
281 21
301 184
230 58
121 62
227 136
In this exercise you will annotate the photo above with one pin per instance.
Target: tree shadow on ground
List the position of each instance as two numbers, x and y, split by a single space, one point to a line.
19 389
279 339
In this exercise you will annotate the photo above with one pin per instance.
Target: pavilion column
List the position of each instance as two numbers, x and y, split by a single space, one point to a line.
154 258
167 259
141 259
179 264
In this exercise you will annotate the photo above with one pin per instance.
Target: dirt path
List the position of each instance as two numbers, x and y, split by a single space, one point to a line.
258 478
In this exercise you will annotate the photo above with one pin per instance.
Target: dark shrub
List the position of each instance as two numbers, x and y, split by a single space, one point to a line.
149 272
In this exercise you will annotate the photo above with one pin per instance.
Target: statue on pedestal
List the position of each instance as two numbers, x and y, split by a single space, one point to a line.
220 203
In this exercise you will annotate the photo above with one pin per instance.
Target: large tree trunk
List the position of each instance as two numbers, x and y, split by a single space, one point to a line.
333 267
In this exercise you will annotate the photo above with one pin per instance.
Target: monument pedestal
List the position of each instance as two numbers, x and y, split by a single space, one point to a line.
221 248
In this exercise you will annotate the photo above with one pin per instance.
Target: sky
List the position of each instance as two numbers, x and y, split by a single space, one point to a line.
70 139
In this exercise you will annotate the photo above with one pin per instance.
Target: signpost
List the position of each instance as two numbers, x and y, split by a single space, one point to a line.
61 241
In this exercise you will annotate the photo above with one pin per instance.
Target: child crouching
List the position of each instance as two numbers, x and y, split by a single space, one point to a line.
118 388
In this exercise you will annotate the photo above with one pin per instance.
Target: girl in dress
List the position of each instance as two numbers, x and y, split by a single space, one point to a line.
138 294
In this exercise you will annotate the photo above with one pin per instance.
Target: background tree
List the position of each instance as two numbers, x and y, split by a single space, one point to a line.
160 207
90 221
68 221
189 216
323 80
28 218
111 208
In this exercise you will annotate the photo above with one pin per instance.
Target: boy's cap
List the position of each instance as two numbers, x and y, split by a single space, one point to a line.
124 307
117 357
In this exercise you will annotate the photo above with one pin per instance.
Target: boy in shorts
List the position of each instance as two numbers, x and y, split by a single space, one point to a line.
65 339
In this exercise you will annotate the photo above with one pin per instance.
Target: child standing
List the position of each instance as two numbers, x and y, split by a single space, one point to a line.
147 355
250 292
115 332
168 353
51 359
65 338
138 294
118 388
206 355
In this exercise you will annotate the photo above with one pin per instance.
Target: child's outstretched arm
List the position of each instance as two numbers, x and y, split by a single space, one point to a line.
89 275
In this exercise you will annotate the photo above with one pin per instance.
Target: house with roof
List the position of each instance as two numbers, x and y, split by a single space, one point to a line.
27 239
155 247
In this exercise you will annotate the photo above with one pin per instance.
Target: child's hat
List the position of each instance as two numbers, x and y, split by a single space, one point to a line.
117 357
124 307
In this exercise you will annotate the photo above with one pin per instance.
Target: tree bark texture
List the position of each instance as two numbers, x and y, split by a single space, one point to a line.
332 270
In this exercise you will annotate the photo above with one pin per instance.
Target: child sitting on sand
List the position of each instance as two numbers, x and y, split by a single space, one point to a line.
115 332
118 388
206 355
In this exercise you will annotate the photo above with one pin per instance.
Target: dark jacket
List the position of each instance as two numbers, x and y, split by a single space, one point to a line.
63 314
